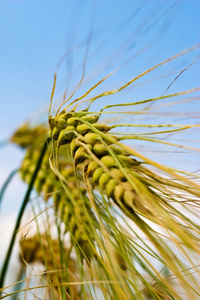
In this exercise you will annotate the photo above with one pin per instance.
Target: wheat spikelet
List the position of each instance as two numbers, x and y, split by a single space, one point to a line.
27 135
47 252
105 174
112 169
69 207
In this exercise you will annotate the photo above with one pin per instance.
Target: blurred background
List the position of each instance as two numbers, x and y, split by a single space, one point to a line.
39 38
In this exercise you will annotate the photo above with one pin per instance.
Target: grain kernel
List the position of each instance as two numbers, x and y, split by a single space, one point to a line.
110 187
117 174
129 198
90 118
99 149
96 175
60 123
93 165
66 135
101 127
118 192
55 133
108 161
72 121
83 128
91 138
103 179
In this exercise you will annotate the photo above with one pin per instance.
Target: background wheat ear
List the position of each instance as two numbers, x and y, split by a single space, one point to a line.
39 249
66 194
26 135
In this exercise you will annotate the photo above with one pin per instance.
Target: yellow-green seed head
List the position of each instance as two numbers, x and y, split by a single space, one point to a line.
52 122
78 235
73 146
108 161
90 118
55 133
49 135
65 116
60 123
99 149
27 135
91 138
110 187
129 197
39 185
117 150
66 135
129 160
127 186
81 154
68 172
83 128
42 174
119 192
27 177
72 121
103 180
25 165
101 127
93 165
96 175
117 174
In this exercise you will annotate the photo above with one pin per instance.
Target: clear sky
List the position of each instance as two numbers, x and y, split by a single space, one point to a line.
35 34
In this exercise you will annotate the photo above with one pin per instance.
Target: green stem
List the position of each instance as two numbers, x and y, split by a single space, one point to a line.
25 201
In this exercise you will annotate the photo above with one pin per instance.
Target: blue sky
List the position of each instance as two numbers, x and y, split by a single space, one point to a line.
35 34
